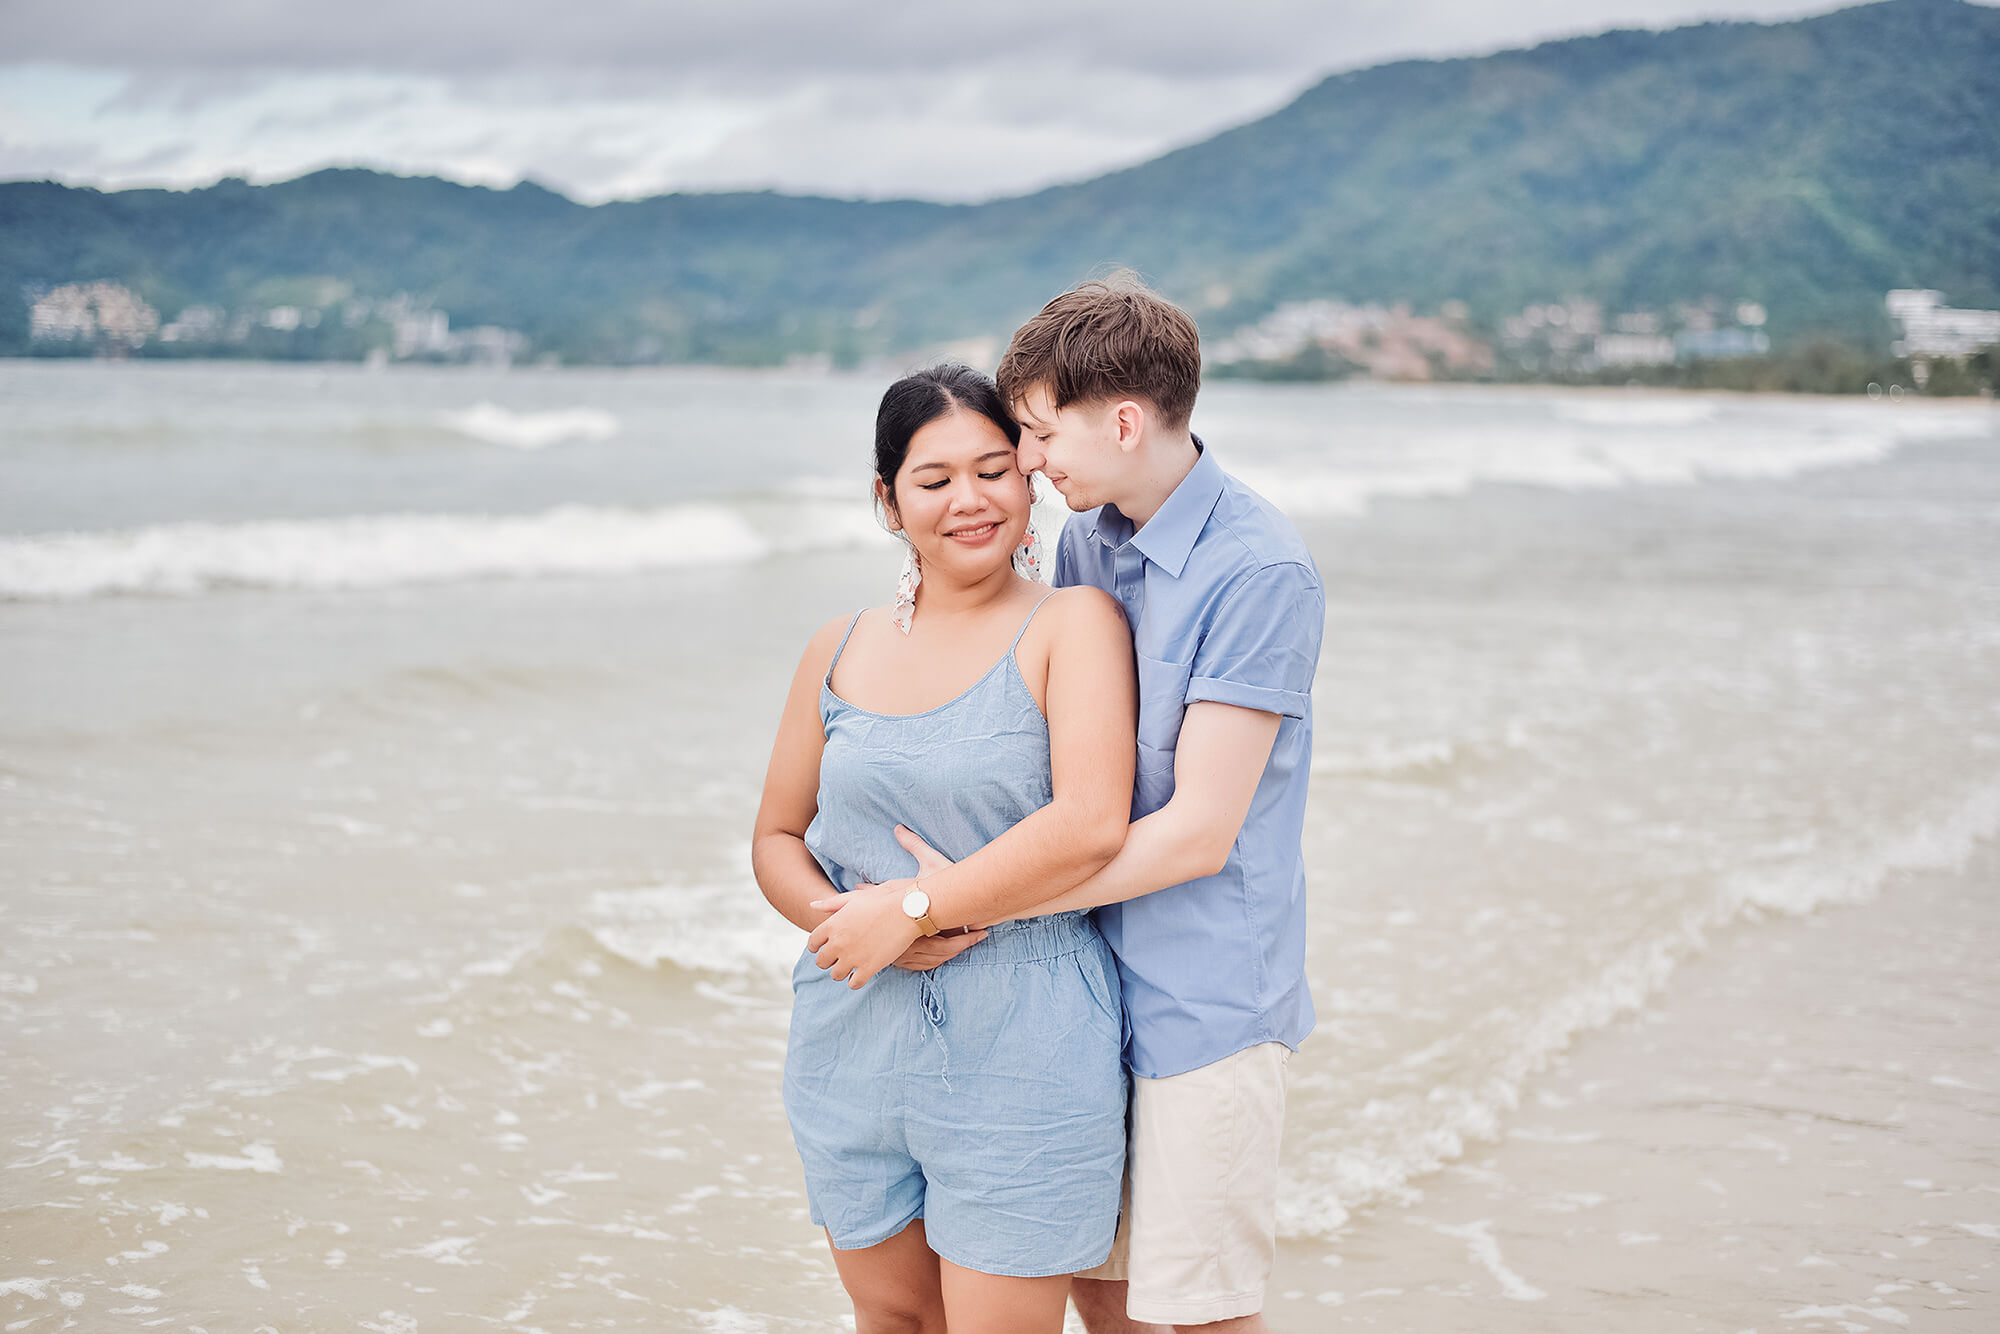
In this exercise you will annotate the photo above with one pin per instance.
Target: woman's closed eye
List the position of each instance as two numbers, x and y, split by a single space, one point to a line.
946 481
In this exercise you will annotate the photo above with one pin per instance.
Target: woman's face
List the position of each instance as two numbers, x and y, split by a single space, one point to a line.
960 496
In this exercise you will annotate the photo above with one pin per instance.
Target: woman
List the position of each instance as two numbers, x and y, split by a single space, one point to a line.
961 1118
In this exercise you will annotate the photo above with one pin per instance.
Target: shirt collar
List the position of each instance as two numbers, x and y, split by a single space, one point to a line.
1169 536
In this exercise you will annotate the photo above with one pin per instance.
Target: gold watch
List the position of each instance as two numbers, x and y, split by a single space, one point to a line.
917 907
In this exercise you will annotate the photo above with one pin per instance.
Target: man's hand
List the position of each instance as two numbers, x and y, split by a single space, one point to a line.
930 951
929 860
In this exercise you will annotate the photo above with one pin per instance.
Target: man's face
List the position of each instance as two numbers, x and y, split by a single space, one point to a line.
1075 447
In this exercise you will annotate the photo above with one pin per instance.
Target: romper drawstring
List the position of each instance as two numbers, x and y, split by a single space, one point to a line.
933 1007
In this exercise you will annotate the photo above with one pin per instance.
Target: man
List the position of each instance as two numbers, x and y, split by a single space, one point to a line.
1205 903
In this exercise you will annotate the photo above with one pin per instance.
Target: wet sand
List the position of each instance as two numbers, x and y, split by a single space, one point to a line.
1802 1133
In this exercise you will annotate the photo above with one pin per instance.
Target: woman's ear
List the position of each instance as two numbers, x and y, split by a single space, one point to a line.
888 504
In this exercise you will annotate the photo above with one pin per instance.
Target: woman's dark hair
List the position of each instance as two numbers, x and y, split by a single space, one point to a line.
918 399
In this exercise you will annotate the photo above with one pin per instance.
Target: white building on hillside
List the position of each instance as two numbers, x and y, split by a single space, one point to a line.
1933 329
105 313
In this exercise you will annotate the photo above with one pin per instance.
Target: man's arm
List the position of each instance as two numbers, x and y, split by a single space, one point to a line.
1254 666
1217 767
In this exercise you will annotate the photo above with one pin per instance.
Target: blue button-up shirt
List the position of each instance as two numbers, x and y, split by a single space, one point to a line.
1225 604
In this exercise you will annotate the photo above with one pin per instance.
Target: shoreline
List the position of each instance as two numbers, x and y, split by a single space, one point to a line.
871 374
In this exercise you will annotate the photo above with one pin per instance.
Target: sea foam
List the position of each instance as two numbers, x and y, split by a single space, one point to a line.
1563 459
531 430
1414 1137
1599 446
387 550
698 928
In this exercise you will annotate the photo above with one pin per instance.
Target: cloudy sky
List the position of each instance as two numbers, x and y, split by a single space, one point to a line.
621 98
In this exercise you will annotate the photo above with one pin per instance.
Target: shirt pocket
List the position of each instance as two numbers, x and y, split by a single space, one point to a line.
1162 701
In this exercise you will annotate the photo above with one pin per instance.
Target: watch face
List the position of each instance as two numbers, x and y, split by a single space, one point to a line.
916 904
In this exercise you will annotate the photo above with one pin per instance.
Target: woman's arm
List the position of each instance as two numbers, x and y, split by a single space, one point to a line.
1092 704
788 874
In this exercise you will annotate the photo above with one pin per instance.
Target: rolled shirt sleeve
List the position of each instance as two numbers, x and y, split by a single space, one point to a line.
1262 647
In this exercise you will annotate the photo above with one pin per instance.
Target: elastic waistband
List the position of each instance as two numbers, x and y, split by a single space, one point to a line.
1035 938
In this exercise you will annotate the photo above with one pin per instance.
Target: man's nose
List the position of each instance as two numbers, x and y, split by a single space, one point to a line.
1030 458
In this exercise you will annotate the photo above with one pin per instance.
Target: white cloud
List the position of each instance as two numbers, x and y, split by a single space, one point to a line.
619 98
964 136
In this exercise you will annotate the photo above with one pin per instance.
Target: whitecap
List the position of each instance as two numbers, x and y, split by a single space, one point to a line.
496 425
390 550
1573 458
726 929
255 1158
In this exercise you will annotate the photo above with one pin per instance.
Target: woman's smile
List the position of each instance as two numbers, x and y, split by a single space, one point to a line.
974 534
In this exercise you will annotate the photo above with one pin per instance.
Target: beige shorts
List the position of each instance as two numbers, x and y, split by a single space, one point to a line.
1200 1226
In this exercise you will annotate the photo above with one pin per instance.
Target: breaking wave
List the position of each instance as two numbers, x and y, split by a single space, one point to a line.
495 425
388 550
1396 1140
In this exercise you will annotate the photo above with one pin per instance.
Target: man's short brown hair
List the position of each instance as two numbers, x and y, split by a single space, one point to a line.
1104 340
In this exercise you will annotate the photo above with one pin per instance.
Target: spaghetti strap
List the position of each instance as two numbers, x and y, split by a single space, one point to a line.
843 646
1024 624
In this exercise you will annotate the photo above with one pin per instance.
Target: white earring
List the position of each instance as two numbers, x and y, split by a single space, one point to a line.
906 587
1028 556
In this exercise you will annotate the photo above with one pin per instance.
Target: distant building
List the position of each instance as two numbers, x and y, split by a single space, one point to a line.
1933 329
416 329
1578 337
110 316
425 333
197 324
1559 338
1720 344
1634 349
489 345
1387 342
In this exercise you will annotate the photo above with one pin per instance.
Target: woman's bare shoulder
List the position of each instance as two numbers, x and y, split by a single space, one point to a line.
1082 620
1086 604
818 657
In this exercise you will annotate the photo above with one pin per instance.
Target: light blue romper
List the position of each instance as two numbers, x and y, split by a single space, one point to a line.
986 1096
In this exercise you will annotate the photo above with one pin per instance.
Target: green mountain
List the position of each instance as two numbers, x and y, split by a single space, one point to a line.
1808 166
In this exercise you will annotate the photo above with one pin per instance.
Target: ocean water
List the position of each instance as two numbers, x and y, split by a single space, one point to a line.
378 754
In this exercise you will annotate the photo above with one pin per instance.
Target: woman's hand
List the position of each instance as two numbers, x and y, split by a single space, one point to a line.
866 932
853 943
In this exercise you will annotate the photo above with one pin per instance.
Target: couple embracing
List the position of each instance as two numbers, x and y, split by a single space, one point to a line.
1047 845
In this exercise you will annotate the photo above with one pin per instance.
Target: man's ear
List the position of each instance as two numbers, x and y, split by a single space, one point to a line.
1129 420
888 505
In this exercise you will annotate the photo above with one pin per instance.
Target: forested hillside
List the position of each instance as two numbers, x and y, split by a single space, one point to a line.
1807 166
